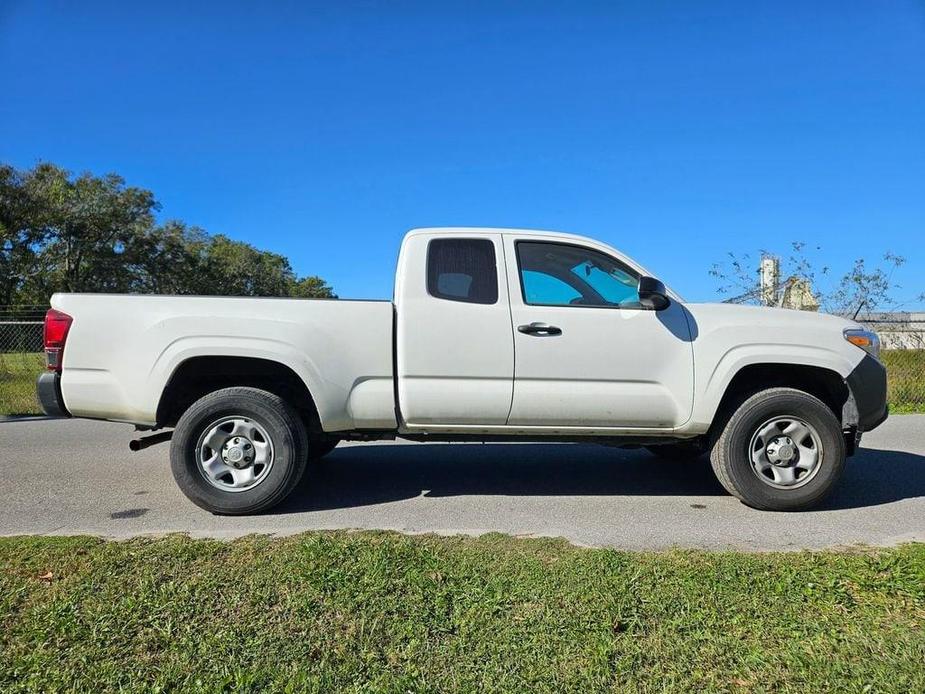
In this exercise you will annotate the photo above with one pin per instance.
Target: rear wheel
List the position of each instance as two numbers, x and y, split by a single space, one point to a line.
781 450
238 451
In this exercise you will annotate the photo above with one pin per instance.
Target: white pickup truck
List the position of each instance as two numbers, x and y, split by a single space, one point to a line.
493 334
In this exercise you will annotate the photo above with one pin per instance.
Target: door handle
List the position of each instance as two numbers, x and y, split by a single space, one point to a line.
539 329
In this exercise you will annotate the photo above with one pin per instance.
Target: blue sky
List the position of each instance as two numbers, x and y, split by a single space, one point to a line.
673 131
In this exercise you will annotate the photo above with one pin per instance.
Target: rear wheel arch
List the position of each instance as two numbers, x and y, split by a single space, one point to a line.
197 376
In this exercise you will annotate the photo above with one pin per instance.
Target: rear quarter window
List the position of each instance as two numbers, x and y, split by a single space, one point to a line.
462 270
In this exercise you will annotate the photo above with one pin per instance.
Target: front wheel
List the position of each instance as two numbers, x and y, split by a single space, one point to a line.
781 450
238 450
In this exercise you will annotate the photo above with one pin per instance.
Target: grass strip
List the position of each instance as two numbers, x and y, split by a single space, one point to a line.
18 373
382 612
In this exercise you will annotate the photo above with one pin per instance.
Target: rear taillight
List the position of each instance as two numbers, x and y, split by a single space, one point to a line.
57 324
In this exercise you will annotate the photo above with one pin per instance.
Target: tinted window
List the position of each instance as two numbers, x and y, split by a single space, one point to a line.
554 274
462 270
540 288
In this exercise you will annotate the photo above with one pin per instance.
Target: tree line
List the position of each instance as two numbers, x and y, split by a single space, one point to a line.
61 232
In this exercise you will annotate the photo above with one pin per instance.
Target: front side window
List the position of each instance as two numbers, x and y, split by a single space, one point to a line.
462 270
556 274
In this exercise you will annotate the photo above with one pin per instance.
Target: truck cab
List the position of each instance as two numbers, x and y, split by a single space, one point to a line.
534 333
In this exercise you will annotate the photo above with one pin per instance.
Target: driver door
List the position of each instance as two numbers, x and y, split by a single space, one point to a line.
586 353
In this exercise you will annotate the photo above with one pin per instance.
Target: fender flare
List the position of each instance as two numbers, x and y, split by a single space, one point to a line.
181 350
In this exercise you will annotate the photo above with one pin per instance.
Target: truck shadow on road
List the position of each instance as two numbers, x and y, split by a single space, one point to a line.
874 477
354 476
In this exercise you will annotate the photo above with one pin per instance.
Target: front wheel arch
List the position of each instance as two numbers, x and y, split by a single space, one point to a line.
826 385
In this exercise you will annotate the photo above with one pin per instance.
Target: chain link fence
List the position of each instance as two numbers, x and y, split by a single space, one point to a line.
22 358
902 338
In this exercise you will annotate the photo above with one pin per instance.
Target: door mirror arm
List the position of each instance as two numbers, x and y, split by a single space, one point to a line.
652 294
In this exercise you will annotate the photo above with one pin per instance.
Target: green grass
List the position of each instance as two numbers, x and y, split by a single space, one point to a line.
18 371
381 612
905 379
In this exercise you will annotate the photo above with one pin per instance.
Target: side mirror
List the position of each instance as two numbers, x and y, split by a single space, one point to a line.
652 294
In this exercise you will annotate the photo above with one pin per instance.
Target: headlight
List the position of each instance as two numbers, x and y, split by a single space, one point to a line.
865 339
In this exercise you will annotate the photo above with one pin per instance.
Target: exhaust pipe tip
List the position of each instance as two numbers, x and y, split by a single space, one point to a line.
146 441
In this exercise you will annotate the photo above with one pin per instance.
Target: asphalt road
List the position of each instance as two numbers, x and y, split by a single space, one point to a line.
78 477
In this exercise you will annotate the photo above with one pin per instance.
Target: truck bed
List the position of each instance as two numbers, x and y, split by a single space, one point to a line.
122 350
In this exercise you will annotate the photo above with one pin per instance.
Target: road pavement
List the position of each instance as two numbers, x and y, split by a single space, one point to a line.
78 477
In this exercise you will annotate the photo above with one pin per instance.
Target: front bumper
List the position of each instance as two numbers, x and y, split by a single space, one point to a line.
48 389
867 394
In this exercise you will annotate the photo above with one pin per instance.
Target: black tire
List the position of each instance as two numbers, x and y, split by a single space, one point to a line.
288 443
731 451
679 451
321 447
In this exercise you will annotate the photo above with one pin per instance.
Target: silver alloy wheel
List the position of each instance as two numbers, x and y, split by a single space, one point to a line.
786 452
234 453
